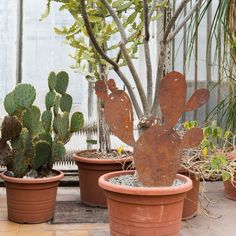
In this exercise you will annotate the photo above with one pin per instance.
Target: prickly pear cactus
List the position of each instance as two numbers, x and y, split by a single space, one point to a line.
158 151
37 140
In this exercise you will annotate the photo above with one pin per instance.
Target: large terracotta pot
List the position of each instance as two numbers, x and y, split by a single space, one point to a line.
31 200
90 169
152 211
191 199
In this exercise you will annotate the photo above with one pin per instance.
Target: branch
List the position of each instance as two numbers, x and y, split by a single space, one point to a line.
160 69
146 23
147 53
186 18
127 57
173 19
103 55
92 37
131 92
149 72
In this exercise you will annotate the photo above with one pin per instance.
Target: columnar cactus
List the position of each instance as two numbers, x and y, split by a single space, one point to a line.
37 140
157 152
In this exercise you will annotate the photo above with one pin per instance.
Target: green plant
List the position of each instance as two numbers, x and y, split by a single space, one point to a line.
108 33
37 140
212 158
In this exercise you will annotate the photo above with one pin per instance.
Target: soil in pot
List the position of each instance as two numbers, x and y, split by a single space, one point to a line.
92 165
31 200
190 207
142 211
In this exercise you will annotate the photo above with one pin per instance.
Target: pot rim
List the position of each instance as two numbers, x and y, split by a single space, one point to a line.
59 176
76 157
150 191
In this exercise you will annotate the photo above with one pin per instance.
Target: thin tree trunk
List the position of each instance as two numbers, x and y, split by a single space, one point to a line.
103 129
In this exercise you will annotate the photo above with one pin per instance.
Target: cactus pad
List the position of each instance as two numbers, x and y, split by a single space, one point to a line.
58 151
77 122
46 137
56 105
65 102
46 120
63 131
62 82
9 104
31 118
24 95
20 166
50 100
52 80
11 128
42 154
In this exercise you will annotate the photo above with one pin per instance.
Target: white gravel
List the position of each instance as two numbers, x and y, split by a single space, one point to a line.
131 181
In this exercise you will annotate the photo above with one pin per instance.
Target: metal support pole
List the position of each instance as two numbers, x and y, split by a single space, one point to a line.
19 41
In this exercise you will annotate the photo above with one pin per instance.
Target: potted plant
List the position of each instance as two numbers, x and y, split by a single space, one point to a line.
195 157
93 35
214 159
30 143
156 205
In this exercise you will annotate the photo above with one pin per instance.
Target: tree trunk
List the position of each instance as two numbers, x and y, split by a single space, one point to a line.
103 129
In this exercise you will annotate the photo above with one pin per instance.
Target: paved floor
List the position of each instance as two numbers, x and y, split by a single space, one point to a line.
218 218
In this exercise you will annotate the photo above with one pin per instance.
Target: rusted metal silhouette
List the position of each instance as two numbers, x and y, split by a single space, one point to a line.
158 151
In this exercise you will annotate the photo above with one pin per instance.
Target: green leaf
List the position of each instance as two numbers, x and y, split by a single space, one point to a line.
132 17
226 176
94 19
117 3
124 6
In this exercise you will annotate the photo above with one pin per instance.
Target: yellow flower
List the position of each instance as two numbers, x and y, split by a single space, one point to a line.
204 151
120 150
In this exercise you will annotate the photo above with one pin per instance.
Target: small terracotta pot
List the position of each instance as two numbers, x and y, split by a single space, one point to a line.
191 199
90 169
31 200
229 189
142 211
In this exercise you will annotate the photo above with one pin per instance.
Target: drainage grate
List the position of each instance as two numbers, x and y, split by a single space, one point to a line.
76 212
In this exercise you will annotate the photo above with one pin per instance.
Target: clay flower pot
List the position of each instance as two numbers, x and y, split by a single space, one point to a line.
191 199
144 210
90 169
229 189
31 200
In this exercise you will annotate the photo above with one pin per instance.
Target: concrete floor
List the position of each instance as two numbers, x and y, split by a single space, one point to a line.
218 218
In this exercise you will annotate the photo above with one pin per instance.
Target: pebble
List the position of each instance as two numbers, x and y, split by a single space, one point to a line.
131 181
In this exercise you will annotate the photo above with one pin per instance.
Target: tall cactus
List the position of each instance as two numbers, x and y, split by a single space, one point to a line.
37 139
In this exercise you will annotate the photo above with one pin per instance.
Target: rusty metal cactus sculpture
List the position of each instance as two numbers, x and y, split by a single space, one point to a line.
158 151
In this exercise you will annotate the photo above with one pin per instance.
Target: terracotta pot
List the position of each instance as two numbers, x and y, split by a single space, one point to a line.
142 211
89 172
229 189
31 200
191 199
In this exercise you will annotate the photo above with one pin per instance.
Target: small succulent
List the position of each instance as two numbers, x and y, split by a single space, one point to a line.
32 141
158 150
